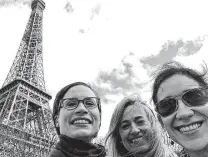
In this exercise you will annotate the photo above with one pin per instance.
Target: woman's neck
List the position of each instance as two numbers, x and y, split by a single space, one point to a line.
156 151
86 139
75 147
201 153
76 143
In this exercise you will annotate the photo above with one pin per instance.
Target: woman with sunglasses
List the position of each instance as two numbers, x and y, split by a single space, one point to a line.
134 131
181 101
77 119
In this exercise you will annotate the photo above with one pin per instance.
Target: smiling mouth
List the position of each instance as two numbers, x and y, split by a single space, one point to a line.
81 121
190 127
136 140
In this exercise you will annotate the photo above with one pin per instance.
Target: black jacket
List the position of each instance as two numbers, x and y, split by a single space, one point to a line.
68 147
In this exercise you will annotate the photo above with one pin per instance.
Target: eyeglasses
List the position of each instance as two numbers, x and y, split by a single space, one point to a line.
72 103
192 98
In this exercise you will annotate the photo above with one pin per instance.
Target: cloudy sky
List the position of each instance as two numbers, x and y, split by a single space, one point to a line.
113 44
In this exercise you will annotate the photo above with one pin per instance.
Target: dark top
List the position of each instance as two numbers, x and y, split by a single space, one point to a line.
183 154
68 147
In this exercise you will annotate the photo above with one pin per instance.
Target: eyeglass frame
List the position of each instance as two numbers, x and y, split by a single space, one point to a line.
180 97
78 100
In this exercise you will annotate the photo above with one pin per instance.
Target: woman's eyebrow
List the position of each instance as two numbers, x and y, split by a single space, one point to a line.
124 121
138 117
184 91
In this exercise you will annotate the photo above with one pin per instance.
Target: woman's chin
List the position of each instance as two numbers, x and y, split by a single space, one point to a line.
198 145
83 135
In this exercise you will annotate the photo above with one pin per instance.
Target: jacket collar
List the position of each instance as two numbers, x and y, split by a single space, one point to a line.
78 148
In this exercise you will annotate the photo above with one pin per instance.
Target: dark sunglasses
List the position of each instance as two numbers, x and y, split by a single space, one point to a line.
72 103
192 98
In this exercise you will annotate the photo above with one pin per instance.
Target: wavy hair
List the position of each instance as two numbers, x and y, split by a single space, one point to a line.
113 139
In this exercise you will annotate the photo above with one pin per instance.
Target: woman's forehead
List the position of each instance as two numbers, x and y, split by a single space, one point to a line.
79 91
133 111
175 85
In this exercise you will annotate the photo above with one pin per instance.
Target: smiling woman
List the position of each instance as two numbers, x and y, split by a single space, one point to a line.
181 99
134 131
77 117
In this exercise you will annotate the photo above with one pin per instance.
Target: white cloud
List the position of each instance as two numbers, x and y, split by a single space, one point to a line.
19 3
120 27
69 7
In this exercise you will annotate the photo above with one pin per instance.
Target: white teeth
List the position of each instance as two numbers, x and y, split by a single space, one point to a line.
135 140
190 127
195 126
81 122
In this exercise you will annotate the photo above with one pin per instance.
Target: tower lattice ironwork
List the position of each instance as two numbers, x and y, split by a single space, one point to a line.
26 128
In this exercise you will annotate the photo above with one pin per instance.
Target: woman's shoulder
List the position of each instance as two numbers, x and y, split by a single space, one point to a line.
56 153
169 152
183 154
101 149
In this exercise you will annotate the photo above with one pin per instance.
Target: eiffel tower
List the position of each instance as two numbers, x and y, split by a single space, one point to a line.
26 128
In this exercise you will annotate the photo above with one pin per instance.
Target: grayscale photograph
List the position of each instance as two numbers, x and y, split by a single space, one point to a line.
103 78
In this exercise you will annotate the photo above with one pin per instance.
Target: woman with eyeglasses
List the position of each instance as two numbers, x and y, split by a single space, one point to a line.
181 101
77 119
135 132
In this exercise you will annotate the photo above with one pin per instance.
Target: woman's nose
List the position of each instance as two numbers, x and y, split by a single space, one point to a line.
134 129
184 111
81 109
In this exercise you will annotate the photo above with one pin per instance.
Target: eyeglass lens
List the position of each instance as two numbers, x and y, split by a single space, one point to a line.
195 97
73 103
